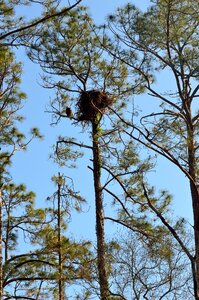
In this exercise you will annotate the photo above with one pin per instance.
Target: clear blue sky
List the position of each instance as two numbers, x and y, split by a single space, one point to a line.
35 169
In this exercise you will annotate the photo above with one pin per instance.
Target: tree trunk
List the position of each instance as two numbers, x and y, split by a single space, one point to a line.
103 280
7 235
1 253
195 201
60 263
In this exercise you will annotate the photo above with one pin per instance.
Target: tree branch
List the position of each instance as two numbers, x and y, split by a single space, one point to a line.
42 20
168 226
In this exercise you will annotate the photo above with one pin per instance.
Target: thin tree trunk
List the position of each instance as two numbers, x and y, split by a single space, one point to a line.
1 253
103 279
195 200
61 282
7 235
195 206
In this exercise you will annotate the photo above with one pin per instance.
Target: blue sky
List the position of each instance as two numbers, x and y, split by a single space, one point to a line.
35 169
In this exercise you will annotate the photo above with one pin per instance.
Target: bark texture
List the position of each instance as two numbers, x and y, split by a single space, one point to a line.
195 199
1 253
60 262
103 278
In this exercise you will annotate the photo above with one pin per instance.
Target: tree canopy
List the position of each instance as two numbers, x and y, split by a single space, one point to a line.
97 76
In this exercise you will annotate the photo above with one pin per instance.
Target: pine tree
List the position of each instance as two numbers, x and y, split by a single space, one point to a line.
11 139
20 222
92 82
102 86
164 41
69 261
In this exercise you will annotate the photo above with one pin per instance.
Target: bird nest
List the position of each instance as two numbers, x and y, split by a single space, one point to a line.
91 103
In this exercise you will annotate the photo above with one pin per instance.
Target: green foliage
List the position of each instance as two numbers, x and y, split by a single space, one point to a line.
69 260
161 42
170 26
11 97
71 50
20 221
14 198
77 57
11 101
171 131
40 228
65 154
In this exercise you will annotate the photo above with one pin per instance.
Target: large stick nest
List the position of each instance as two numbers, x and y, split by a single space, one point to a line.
91 103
